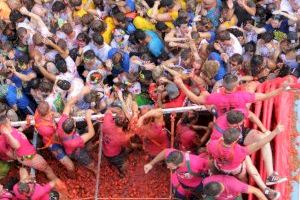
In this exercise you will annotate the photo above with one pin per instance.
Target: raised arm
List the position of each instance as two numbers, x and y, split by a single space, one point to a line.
51 77
264 96
156 113
91 131
158 158
258 145
70 104
63 53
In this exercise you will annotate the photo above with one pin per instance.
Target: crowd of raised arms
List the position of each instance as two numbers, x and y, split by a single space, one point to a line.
130 59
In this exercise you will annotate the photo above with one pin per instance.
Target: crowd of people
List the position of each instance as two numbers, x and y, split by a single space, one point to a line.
130 59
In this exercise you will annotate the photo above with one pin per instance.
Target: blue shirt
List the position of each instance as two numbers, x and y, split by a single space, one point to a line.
222 69
17 81
214 14
284 27
15 96
125 62
130 4
155 45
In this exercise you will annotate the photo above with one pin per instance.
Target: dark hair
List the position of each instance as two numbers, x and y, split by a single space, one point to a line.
235 116
250 46
62 43
23 187
120 17
58 6
87 19
139 35
21 31
61 65
83 36
98 26
166 3
236 58
256 63
267 36
180 21
68 125
75 3
37 39
29 4
161 26
98 39
46 86
63 84
236 32
231 135
67 28
34 83
90 54
23 58
117 58
223 36
212 189
15 15
229 81
175 157
43 108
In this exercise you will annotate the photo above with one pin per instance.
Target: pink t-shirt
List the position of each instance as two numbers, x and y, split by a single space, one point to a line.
25 148
155 139
186 137
228 101
222 123
4 148
39 192
114 137
227 158
232 186
6 195
70 141
198 165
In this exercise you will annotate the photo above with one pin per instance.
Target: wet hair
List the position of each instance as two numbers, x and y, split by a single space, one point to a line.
37 39
68 125
267 36
120 17
58 6
161 26
234 116
98 26
223 36
67 28
46 86
180 21
139 35
90 54
117 58
75 3
63 84
43 108
236 58
15 15
98 39
34 83
87 19
83 36
212 189
61 65
231 135
23 187
236 32
23 58
256 63
166 3
250 47
229 81
62 43
175 157
21 31
186 119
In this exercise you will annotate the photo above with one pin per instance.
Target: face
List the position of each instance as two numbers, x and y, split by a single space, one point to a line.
184 28
171 166
238 125
275 23
234 66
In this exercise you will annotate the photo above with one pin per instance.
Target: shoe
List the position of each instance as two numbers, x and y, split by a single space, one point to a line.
275 179
272 194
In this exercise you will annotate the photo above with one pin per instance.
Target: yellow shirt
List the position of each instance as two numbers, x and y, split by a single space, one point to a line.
82 11
4 11
109 29
143 24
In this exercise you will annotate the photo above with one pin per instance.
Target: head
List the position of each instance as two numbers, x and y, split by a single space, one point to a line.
95 77
250 48
172 91
15 16
69 125
117 58
208 4
210 68
256 64
119 19
267 36
37 39
82 39
191 117
224 37
87 19
186 57
167 4
235 118
231 135
119 35
140 36
98 39
235 62
58 6
162 27
67 29
22 34
120 119
23 188
285 45
61 65
174 159
275 21
212 189
181 24
89 57
43 108
204 25
45 88
23 61
63 84
76 4
98 26
230 82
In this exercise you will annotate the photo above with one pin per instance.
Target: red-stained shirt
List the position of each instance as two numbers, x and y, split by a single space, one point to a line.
198 165
227 158
40 192
45 126
4 148
70 141
225 102
186 137
232 186
114 138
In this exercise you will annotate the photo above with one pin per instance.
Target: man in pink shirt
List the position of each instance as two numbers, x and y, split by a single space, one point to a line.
230 98
229 156
235 119
115 139
223 187
73 142
189 171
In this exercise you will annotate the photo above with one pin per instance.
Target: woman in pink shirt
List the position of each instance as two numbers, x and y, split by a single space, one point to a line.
189 171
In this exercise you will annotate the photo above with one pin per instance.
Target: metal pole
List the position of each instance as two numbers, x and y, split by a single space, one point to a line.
34 143
99 162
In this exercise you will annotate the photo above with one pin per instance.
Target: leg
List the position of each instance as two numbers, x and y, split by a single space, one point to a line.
82 156
243 174
59 153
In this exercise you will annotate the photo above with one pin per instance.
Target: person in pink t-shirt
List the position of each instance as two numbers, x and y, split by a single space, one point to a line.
73 142
153 132
235 119
187 135
25 152
223 187
189 171
115 139
229 157
27 188
230 98
6 152
5 194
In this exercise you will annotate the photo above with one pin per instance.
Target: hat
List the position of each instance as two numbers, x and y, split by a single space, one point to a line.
119 33
172 91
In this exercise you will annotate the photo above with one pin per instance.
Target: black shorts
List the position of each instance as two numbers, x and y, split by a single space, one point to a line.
118 160
245 132
81 156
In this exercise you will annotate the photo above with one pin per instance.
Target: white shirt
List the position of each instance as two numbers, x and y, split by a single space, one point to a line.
101 53
236 47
